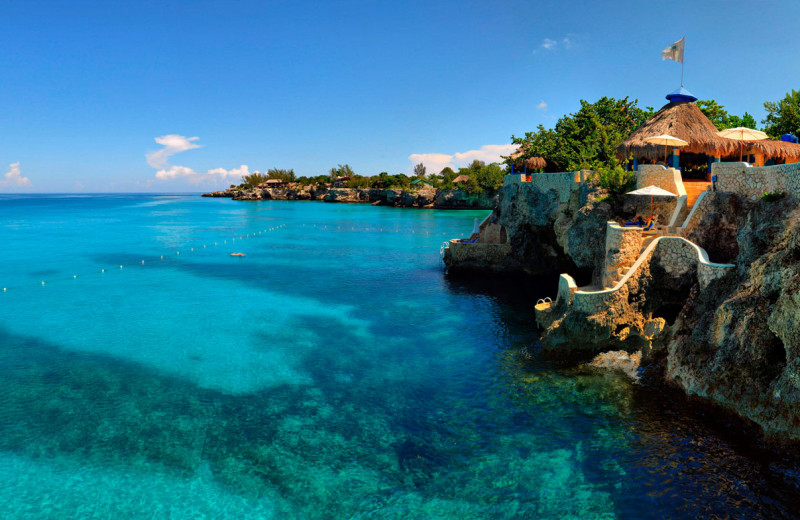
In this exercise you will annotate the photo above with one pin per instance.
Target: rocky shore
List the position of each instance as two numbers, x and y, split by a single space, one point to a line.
418 198
733 340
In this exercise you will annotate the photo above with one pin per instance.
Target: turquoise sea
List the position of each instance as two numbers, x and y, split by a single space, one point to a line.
333 372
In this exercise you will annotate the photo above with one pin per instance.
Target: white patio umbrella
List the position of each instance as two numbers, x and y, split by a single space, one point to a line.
742 134
652 191
667 141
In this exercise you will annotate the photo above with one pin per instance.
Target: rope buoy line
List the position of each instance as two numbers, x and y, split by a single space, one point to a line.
375 229
160 258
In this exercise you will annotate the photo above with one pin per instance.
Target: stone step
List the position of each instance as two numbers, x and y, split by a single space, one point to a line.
693 191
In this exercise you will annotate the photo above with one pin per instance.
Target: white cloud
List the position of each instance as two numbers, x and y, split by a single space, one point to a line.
567 42
172 144
175 172
14 177
241 171
542 105
435 162
175 144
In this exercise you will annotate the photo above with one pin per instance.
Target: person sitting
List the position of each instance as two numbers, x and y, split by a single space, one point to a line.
636 221
649 224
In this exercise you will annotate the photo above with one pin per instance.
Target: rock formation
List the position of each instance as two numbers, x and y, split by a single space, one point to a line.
735 341
426 197
544 235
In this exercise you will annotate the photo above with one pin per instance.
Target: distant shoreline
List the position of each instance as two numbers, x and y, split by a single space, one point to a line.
425 198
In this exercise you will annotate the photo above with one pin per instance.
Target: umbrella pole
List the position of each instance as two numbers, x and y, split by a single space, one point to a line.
651 207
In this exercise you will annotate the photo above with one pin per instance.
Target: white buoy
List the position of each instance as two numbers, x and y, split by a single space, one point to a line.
102 270
142 262
74 275
162 257
42 283
120 267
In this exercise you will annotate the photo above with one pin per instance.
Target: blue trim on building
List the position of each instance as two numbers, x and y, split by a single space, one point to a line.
681 95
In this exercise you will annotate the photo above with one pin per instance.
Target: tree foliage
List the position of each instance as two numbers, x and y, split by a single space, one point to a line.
342 170
419 170
284 175
587 138
481 177
252 180
717 114
783 117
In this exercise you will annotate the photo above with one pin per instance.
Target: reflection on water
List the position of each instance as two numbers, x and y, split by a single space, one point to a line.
410 394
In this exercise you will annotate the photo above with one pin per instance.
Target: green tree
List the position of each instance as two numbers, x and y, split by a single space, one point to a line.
783 117
419 170
342 170
448 175
747 121
717 114
284 175
252 180
435 180
586 139
491 177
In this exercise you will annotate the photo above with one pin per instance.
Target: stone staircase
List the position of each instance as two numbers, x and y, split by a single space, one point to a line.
693 191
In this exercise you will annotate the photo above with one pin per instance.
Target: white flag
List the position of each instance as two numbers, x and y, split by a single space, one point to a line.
674 52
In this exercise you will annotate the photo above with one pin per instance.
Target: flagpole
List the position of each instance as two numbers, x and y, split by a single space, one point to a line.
681 74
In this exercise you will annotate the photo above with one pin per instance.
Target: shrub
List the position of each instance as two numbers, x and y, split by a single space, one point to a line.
772 196
616 179
253 180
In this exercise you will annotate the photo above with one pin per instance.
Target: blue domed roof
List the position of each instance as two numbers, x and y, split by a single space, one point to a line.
681 95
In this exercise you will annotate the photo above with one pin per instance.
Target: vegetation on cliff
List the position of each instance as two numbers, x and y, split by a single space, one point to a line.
586 139
783 117
480 178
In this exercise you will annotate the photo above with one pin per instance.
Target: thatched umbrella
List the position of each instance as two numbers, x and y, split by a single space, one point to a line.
684 120
534 163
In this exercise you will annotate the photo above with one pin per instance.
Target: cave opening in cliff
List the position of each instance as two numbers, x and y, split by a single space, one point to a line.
669 312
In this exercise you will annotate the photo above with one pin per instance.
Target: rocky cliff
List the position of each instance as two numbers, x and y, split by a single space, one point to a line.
545 234
737 343
427 197
734 342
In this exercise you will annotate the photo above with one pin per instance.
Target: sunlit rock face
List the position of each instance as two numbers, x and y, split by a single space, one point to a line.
426 197
733 339
738 342
547 233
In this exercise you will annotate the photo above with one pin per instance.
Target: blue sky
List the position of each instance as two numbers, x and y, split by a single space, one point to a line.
88 87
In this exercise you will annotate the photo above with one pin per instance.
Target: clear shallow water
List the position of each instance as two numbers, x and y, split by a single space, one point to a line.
334 372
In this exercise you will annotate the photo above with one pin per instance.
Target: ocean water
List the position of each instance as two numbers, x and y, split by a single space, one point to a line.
333 372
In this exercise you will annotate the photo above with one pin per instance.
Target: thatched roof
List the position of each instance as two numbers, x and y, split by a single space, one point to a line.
461 178
681 119
778 149
533 163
